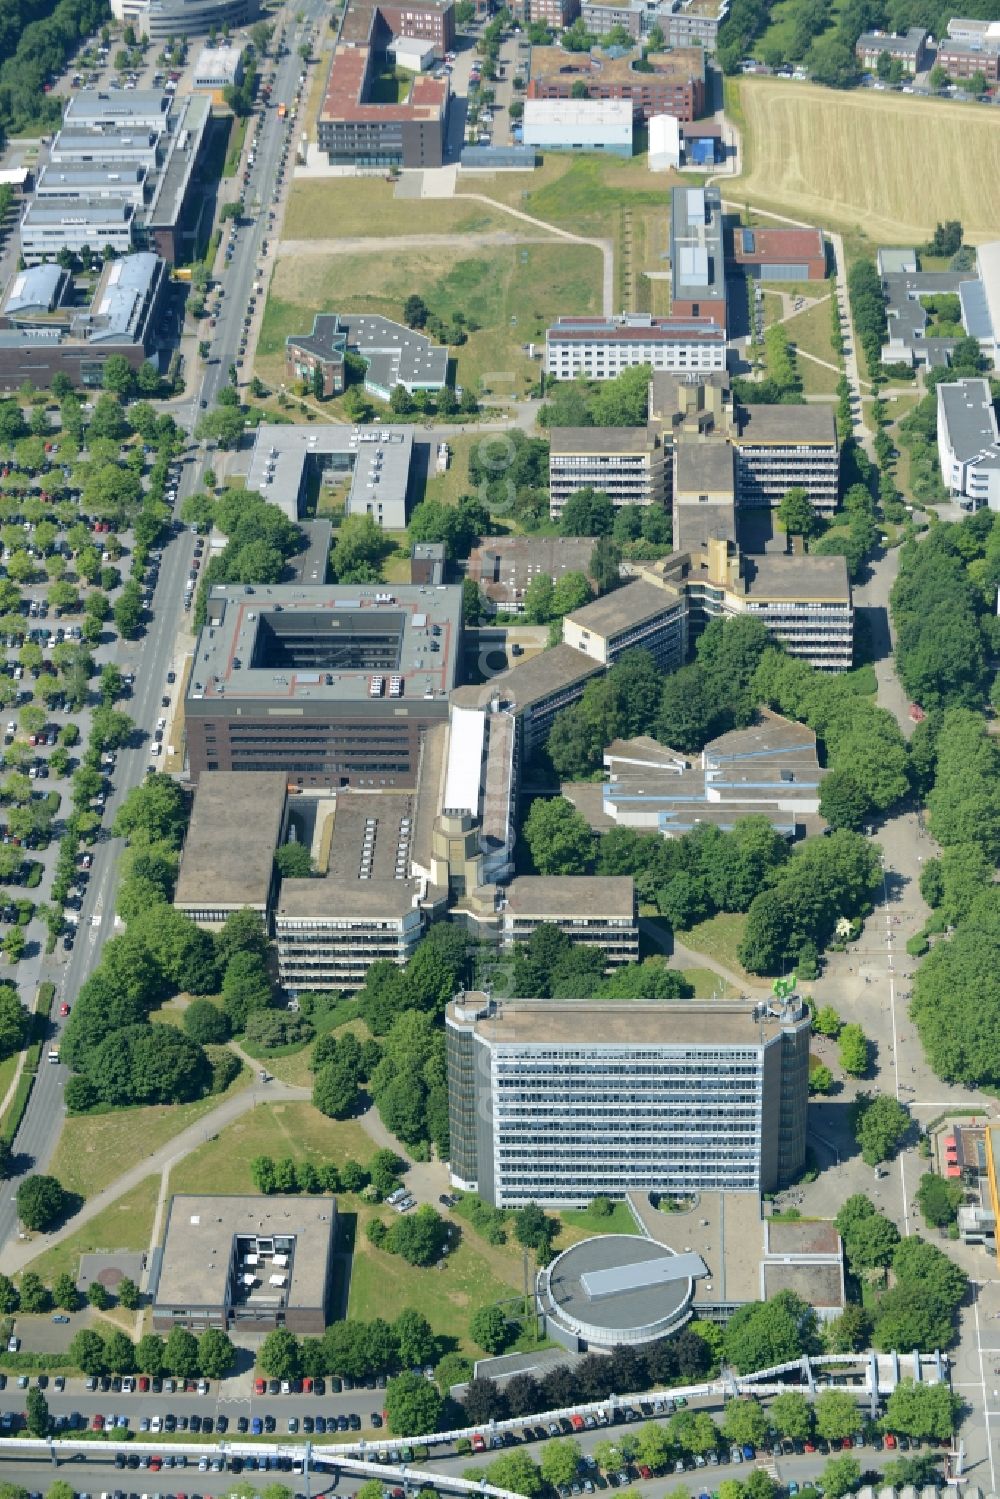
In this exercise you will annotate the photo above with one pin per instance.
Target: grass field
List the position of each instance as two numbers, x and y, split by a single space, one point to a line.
620 1220
887 164
510 292
718 938
283 1129
126 1224
334 208
708 984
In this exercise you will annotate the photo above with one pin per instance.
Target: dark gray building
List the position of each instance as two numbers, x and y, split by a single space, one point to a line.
561 1101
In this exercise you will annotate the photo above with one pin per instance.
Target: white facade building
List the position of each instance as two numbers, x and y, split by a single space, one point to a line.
600 348
55 224
664 143
969 443
579 125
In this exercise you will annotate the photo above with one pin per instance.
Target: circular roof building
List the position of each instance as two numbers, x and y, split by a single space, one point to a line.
617 1288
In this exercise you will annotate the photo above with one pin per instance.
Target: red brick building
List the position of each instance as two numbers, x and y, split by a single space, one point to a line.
676 86
780 254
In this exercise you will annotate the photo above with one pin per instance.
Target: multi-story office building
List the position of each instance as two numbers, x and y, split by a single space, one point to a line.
969 443
534 691
779 448
227 863
505 566
595 911
563 1101
780 254
908 48
625 463
674 84
334 687
376 462
964 60
393 354
684 23
599 348
640 614
329 932
697 261
162 20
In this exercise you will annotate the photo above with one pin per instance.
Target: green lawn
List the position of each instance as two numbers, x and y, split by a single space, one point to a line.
94 1149
719 938
620 1220
708 984
126 1224
332 208
282 1129
581 193
507 294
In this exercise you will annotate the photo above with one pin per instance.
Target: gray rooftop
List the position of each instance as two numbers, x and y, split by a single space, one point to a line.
641 1275
351 899
696 525
395 354
198 1247
906 45
122 296
565 897
668 1023
697 266
282 644
801 424
188 121
970 415
623 608
37 289
704 468
530 682
144 107
102 145
628 1301
228 855
801 577
600 440
80 211
377 457
69 179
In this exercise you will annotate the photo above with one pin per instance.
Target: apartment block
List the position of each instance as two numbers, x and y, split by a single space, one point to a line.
562 1101
969 443
593 911
625 463
601 347
639 614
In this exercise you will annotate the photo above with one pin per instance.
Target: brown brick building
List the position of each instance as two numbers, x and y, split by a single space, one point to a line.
676 86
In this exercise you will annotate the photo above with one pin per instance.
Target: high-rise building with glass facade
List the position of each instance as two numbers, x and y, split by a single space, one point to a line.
561 1101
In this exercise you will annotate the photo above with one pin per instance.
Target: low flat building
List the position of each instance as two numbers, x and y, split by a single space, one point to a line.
84 147
579 125
638 614
393 354
216 69
560 1101
42 333
375 462
780 254
505 566
969 443
697 258
51 225
249 1263
770 769
126 184
674 84
599 348
625 463
534 691
910 48
334 686
227 862
134 109
595 911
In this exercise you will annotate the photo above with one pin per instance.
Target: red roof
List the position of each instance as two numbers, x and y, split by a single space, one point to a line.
783 244
953 1171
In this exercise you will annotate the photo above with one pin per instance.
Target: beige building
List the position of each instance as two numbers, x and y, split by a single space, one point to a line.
227 862
534 691
594 911
625 463
638 614
329 932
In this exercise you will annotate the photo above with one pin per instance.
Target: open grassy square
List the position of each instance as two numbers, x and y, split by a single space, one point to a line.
338 207
507 294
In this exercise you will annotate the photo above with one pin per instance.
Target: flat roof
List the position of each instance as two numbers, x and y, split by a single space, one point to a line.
766 245
801 424
346 87
679 65
801 576
377 457
668 1023
697 262
81 211
818 1284
349 899
621 1264
531 681
598 440
87 107
725 1229
612 114
635 329
198 1246
391 818
563 897
970 416
641 1275
421 624
501 563
704 467
629 605
228 854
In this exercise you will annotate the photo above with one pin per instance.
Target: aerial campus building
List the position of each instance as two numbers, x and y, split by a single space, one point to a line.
393 354
969 443
561 1101
162 19
600 348
333 686
376 462
673 84
697 258
625 463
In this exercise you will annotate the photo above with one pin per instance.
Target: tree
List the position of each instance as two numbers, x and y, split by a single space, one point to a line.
653 1445
37 1413
117 375
770 1332
850 1332
880 1125
180 1352
120 1351
10 1298
205 1023
414 1338
694 1431
280 1354
216 1354
415 311
923 1267
560 1461
65 1293
294 861
87 1351
559 837
605 564
922 1410
745 1422
587 512
418 1238
533 1228
797 515
128 1294
246 988
791 1414
358 551
938 1199
853 1052
335 1090
488 1328
837 1415
515 1472
413 1405
98 1296
14 1020
840 1476
40 1202
149 1354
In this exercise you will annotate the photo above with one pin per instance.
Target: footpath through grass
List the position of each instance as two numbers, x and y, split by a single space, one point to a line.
719 938
125 1224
